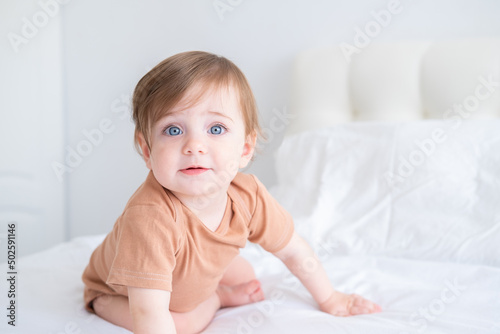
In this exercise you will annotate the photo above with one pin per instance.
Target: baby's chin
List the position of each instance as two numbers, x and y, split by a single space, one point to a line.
200 197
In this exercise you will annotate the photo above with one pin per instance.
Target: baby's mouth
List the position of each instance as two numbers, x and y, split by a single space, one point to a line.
194 170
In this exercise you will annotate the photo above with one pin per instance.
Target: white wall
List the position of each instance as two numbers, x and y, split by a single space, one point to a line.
31 127
108 45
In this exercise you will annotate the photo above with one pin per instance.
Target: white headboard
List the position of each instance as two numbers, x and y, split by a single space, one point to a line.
399 81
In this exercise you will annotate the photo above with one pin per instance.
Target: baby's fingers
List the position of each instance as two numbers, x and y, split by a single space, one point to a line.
359 305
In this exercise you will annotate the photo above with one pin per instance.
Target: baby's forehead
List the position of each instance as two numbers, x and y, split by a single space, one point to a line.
202 91
221 99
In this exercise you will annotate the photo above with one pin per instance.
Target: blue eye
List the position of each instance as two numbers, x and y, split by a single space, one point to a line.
173 131
217 129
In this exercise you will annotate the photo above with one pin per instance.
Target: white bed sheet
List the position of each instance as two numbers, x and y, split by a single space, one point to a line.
371 188
426 249
50 296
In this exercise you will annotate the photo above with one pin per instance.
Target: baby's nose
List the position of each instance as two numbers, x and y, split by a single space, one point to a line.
194 145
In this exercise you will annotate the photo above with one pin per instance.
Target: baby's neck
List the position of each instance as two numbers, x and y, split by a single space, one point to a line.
210 211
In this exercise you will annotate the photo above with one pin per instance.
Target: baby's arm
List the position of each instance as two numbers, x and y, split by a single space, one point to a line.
150 311
303 263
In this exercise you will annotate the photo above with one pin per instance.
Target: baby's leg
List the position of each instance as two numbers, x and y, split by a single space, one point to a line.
115 309
239 271
238 286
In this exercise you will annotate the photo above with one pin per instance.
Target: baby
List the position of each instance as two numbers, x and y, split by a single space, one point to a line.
171 260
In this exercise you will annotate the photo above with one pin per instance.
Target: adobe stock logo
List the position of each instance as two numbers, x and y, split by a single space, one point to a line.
372 29
30 28
278 123
453 118
428 314
223 6
417 157
93 138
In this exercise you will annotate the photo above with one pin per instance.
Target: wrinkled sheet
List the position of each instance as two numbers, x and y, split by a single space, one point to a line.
425 248
423 190
417 296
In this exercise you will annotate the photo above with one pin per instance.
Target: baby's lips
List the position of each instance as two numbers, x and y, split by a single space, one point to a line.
195 166
194 170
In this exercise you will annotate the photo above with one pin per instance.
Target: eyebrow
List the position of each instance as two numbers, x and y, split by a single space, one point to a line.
218 113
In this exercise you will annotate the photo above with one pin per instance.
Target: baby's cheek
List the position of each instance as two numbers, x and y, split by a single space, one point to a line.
232 166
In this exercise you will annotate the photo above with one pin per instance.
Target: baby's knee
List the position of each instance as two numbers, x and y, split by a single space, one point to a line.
239 271
184 324
101 303
114 309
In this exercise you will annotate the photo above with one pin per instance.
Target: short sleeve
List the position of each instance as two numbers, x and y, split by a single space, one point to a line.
271 226
147 241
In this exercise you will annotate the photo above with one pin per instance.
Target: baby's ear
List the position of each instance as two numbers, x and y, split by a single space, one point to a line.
248 150
146 153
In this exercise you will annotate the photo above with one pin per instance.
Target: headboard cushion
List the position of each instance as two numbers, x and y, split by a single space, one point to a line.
396 82
452 71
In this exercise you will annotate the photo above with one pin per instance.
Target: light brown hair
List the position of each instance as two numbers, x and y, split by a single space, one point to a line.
166 84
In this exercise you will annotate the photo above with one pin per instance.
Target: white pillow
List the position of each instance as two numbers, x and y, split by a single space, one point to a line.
423 190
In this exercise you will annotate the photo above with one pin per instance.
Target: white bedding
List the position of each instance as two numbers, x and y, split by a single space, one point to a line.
426 248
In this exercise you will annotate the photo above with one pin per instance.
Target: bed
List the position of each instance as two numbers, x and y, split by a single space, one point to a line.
401 207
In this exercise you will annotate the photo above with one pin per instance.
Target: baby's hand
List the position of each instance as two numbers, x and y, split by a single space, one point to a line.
343 305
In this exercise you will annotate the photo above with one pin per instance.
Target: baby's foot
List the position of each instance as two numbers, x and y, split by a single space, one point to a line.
245 293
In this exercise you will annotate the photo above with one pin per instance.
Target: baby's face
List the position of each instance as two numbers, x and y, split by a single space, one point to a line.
197 150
